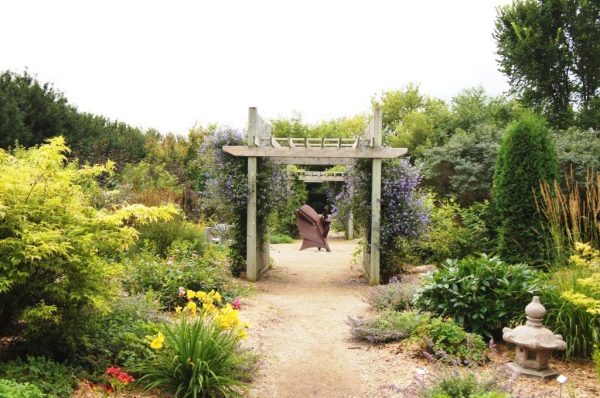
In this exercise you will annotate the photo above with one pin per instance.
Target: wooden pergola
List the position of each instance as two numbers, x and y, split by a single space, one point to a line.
312 151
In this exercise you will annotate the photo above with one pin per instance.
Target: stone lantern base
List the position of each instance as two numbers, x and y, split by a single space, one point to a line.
545 374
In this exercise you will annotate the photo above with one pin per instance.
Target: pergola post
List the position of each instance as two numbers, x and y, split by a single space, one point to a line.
376 200
251 238
350 226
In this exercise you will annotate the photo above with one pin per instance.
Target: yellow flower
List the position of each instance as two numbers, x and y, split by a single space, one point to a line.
191 294
218 297
209 308
157 342
178 309
242 334
192 307
205 298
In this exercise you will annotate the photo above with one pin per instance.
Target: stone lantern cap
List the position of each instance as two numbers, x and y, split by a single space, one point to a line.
532 335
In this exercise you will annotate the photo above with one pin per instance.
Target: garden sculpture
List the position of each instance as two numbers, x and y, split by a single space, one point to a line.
312 228
534 343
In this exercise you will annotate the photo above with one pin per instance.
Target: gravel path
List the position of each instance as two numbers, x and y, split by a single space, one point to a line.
298 323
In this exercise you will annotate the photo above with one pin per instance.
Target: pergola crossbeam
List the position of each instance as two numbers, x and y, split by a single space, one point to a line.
312 152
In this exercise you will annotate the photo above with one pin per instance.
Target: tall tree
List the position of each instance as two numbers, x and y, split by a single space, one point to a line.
550 51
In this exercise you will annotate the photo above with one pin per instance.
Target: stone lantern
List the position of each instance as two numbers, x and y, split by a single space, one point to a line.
534 343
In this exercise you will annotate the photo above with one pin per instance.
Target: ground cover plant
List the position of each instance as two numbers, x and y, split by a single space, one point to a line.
52 379
387 326
441 339
457 384
13 389
481 293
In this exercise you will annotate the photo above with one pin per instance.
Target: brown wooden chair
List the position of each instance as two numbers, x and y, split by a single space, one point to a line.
311 228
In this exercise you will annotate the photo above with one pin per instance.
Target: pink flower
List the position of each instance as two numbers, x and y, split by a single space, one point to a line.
181 292
236 304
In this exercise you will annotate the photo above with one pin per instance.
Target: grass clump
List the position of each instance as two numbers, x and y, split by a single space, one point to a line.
280 238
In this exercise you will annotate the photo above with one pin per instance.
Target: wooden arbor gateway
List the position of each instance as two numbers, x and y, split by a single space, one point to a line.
312 151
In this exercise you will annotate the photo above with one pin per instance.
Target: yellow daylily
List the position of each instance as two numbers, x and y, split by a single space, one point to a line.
157 342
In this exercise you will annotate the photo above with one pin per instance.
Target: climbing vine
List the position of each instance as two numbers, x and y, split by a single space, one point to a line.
404 214
227 191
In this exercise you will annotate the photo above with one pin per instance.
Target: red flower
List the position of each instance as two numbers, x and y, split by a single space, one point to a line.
112 371
125 378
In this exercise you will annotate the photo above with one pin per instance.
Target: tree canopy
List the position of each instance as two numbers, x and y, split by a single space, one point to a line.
550 51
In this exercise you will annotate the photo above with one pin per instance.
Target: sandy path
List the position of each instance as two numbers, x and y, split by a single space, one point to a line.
298 324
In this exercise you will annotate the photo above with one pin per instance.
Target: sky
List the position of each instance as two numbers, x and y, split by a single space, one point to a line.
171 64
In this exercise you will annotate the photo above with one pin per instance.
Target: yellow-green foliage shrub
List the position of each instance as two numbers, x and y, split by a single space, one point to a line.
573 301
588 296
59 256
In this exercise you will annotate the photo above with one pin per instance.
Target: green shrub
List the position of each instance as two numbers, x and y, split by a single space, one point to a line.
459 385
161 236
449 342
454 231
183 268
60 255
395 296
197 359
526 158
51 379
388 326
483 294
280 238
116 337
12 389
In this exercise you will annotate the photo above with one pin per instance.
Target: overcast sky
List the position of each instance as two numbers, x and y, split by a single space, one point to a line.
169 64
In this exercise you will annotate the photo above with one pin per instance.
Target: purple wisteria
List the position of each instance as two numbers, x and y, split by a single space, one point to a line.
403 210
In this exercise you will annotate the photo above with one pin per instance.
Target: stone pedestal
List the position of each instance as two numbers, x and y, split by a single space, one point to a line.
545 374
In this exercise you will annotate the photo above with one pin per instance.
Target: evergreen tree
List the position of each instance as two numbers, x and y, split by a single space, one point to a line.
526 157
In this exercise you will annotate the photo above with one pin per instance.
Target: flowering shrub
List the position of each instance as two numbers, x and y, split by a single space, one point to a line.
395 296
227 191
403 210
